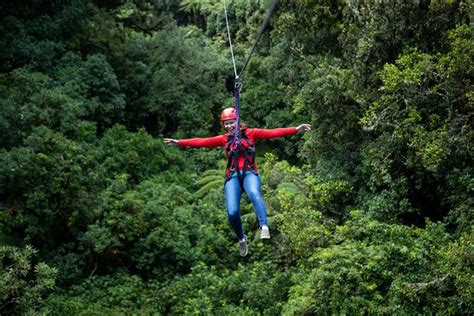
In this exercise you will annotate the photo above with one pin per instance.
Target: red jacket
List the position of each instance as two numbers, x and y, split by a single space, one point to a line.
253 134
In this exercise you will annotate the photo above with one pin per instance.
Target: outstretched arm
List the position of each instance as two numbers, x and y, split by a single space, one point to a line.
280 132
210 142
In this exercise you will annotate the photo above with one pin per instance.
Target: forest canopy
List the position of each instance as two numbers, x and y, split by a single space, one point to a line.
371 212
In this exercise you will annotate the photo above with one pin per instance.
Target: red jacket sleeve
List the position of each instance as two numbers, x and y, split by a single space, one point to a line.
272 133
216 141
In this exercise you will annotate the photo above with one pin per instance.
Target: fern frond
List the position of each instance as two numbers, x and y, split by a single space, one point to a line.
208 187
211 178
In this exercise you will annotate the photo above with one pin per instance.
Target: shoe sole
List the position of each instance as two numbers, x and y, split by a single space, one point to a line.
264 236
243 248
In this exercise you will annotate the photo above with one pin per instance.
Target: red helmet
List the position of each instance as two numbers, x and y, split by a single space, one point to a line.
228 114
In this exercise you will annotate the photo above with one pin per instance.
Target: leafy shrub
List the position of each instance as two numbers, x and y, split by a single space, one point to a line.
383 268
23 284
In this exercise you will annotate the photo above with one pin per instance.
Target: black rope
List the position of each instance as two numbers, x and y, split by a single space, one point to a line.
259 33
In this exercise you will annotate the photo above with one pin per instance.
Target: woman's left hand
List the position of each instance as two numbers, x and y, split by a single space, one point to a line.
303 128
171 141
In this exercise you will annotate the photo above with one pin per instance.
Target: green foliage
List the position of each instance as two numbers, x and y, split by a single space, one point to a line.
305 208
376 32
381 268
44 184
119 293
93 83
333 105
417 129
211 179
137 155
26 107
172 76
371 212
248 290
31 43
23 284
152 228
64 175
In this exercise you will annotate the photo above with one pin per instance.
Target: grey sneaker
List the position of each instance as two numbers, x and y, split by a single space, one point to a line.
243 247
265 233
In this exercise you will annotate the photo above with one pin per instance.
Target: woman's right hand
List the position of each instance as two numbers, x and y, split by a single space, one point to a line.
171 141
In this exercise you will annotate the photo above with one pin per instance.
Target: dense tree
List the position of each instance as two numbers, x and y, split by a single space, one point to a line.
370 213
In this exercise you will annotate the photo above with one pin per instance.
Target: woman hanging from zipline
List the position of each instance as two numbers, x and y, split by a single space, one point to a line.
241 173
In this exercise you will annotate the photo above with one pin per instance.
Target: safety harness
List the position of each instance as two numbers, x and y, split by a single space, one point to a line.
245 149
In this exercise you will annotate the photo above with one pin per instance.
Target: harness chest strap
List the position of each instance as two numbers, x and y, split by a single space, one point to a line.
247 151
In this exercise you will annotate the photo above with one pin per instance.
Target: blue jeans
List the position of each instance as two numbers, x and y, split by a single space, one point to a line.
233 193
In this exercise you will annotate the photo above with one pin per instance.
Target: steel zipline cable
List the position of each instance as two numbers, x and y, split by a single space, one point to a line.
230 41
